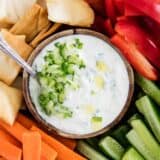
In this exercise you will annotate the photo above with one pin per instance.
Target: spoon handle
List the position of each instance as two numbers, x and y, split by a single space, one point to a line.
5 48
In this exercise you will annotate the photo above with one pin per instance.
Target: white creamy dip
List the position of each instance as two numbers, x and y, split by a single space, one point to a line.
103 87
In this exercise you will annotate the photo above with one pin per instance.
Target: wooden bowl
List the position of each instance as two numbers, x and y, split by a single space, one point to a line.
32 108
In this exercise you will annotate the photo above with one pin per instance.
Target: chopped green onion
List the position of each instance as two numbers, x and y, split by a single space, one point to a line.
96 119
58 72
78 44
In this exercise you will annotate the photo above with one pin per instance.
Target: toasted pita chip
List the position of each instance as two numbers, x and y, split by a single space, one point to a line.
18 84
10 103
9 69
12 10
34 21
42 3
71 12
5 24
45 33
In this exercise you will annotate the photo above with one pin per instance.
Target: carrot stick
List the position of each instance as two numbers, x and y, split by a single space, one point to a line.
28 123
25 121
17 131
31 146
1 158
51 154
70 143
64 153
9 151
9 138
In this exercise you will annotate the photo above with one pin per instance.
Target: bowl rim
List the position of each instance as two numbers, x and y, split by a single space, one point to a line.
51 128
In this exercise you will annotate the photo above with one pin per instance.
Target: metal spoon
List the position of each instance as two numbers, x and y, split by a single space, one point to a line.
8 50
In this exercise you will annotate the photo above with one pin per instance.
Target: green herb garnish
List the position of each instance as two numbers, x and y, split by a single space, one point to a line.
57 74
78 44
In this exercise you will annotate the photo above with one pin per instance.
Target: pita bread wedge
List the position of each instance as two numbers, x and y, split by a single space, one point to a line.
12 10
9 69
44 34
33 22
18 84
10 103
71 12
42 3
5 24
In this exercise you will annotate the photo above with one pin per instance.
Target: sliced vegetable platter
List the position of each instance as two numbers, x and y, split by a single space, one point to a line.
134 28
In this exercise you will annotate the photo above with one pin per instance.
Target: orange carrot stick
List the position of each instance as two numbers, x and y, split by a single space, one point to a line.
9 138
9 151
31 146
25 121
70 143
17 131
28 123
1 158
64 153
51 154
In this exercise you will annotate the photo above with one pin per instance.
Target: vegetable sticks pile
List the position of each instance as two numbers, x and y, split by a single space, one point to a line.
135 29
30 141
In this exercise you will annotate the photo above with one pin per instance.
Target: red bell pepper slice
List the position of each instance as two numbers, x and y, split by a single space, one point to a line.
111 10
119 6
109 28
121 18
132 32
150 7
135 58
152 28
132 11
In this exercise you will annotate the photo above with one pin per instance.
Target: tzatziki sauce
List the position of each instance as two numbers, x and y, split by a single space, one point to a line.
101 85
